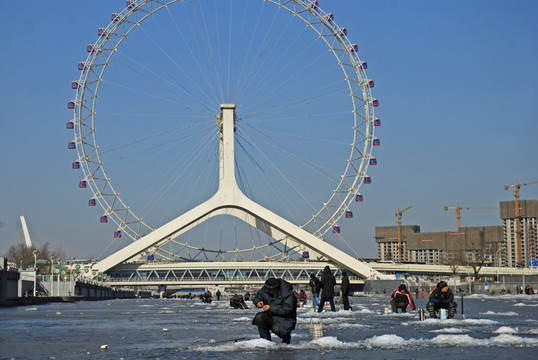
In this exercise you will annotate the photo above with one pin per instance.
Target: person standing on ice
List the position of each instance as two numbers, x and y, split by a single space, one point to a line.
344 289
279 314
442 298
327 288
400 298
314 286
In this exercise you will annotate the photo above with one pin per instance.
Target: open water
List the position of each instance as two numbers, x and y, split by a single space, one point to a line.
500 327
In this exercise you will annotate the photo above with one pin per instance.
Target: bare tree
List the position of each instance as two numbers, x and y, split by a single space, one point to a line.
483 254
454 259
23 256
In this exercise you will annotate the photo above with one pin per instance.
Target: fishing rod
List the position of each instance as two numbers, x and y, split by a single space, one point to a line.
462 313
228 340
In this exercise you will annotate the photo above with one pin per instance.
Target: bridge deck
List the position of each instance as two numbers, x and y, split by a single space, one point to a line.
241 273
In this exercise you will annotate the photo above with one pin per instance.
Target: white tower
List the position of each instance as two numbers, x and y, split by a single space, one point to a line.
27 239
230 200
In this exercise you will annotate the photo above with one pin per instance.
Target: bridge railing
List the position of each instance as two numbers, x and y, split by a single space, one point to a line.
212 280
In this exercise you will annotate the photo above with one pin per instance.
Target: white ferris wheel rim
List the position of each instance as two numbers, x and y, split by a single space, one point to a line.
86 101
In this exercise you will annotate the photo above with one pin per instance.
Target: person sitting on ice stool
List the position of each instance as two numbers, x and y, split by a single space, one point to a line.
442 298
400 298
279 305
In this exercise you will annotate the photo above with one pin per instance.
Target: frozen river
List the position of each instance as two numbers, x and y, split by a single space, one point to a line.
500 327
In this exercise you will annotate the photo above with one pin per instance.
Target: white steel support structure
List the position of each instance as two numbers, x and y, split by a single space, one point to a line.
26 233
230 200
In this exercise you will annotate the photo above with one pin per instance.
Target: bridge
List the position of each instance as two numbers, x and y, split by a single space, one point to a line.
230 200
124 268
226 274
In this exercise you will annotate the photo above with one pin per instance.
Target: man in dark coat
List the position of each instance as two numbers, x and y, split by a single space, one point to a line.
279 305
344 289
442 298
327 288
314 286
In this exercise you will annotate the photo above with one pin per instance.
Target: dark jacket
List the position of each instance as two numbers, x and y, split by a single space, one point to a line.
344 287
327 283
439 297
237 302
402 296
283 305
314 284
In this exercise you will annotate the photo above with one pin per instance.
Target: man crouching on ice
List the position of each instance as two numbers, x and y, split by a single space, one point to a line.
279 305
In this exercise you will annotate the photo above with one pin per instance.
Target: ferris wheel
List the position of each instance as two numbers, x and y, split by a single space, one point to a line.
145 119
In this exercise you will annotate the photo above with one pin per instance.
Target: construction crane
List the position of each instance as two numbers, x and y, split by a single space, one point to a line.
516 187
399 217
459 208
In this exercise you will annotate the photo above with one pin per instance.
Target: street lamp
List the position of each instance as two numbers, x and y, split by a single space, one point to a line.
59 271
52 276
35 269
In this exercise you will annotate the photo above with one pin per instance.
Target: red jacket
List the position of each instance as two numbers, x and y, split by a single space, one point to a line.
401 296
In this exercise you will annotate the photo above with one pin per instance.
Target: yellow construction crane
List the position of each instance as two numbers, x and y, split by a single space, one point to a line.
459 208
399 217
516 187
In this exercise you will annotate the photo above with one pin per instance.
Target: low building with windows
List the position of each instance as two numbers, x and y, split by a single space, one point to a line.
492 245
470 244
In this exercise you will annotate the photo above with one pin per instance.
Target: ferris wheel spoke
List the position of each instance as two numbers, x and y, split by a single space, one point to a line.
146 124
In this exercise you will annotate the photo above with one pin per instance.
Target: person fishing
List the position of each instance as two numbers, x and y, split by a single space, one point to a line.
441 298
237 302
279 314
301 298
207 297
400 298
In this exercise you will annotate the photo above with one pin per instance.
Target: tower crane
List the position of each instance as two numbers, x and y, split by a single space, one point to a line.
516 187
399 217
459 208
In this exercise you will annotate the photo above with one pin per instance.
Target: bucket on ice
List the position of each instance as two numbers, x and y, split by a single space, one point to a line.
443 314
316 330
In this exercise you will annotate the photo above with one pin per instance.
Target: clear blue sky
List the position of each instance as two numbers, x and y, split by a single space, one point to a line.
459 107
